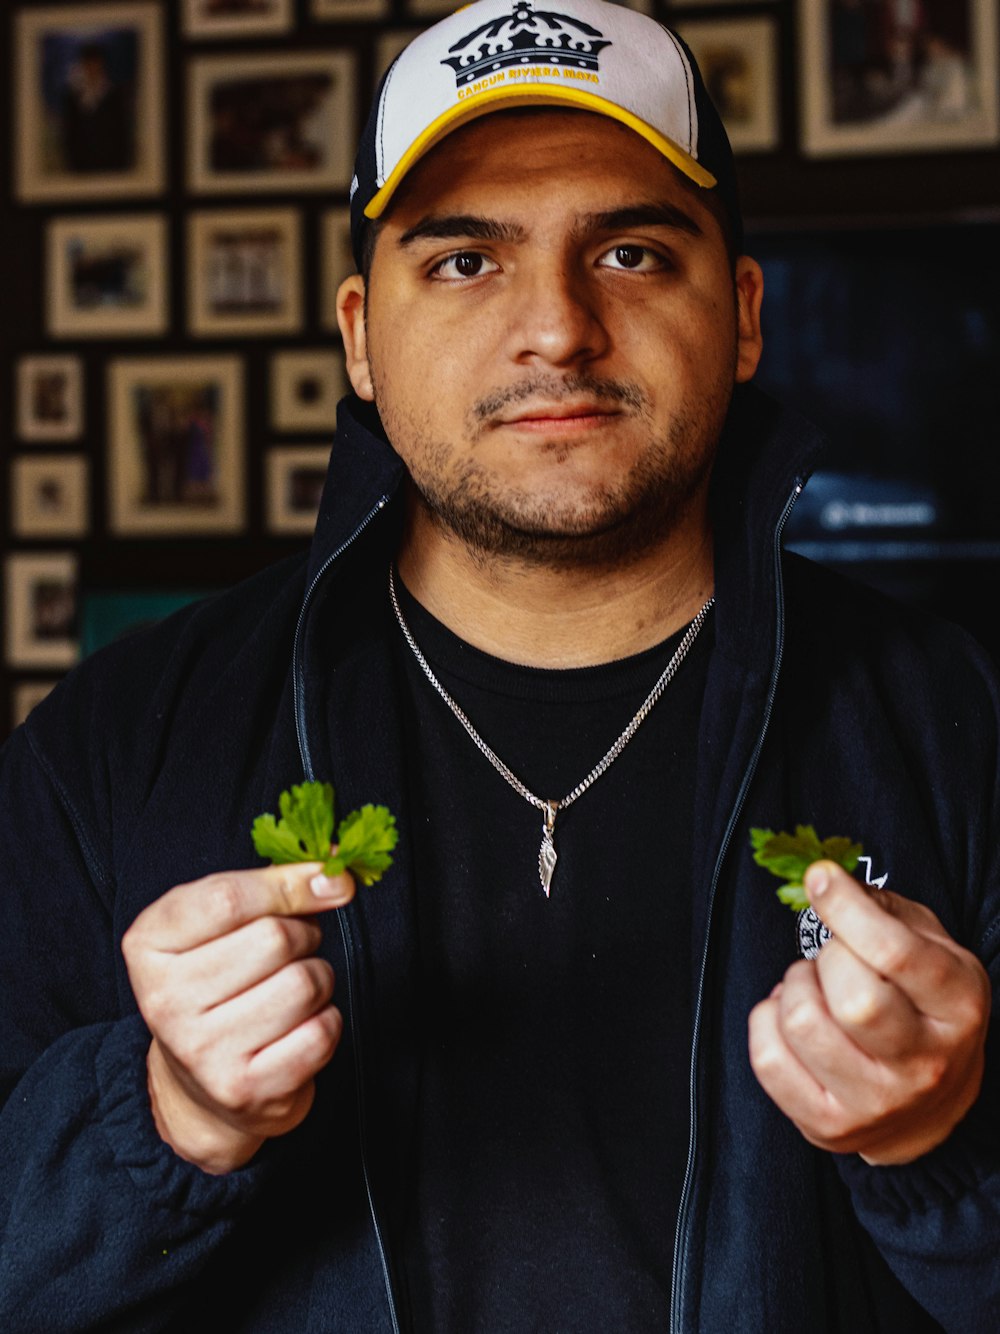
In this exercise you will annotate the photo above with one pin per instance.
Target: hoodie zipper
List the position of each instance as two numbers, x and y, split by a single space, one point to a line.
684 1209
345 931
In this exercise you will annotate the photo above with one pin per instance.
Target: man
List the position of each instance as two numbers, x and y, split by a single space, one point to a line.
532 1105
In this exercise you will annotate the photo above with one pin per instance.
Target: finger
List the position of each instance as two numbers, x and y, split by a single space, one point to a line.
876 1015
287 1063
269 1010
930 970
223 968
836 1063
191 914
779 1071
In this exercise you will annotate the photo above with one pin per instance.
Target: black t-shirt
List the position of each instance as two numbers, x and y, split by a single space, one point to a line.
552 1125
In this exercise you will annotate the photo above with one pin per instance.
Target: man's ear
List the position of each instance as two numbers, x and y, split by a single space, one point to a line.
351 318
749 294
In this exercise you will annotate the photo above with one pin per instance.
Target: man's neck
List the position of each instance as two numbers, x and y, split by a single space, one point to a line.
558 617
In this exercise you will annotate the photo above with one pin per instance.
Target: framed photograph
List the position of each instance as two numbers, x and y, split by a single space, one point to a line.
48 494
175 445
49 398
890 77
271 122
107 276
306 388
294 484
42 609
429 9
90 101
738 59
337 262
245 272
235 18
349 11
24 696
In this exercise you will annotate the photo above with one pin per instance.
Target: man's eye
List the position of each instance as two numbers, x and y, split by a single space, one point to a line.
466 264
635 258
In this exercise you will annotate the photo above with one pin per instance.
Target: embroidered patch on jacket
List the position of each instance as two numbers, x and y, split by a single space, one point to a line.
813 933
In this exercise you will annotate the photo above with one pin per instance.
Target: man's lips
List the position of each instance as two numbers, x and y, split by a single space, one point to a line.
559 416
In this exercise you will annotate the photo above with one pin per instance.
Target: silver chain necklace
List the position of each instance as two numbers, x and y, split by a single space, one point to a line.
549 807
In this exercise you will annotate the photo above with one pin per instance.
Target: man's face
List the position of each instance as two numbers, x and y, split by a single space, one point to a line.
551 335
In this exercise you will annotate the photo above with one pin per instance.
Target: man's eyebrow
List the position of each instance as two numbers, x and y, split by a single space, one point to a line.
639 215
444 227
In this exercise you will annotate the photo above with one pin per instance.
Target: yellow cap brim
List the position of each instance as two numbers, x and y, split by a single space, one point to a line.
494 99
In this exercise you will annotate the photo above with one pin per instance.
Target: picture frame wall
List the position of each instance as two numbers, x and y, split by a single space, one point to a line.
294 484
108 276
180 222
738 58
42 609
220 19
49 495
920 78
350 11
176 445
244 272
90 101
49 391
306 386
276 122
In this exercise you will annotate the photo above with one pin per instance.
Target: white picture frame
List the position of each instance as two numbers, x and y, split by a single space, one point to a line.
210 19
349 11
235 148
49 399
107 276
90 101
306 386
929 87
175 445
336 262
293 485
49 495
244 272
42 609
738 59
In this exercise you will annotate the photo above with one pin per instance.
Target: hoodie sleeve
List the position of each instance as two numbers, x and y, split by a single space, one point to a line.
101 1224
937 1220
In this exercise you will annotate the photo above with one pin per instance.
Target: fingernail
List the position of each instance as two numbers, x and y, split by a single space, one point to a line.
327 886
817 881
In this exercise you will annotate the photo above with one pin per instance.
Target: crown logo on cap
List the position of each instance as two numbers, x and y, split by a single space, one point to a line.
525 37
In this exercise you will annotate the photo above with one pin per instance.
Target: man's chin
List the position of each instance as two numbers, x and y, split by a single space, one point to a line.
557 540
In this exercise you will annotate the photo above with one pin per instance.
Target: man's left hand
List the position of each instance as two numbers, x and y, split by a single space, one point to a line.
876 1046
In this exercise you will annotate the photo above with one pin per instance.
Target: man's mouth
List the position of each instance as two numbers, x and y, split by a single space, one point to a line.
562 418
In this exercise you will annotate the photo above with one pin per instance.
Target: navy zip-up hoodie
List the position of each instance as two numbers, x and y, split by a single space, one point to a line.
824 704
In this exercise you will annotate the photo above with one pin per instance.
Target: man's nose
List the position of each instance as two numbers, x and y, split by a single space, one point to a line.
558 319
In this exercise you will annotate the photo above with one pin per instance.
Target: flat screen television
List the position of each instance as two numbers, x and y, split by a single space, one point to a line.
888 338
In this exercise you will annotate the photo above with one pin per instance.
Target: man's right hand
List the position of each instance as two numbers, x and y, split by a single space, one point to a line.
225 975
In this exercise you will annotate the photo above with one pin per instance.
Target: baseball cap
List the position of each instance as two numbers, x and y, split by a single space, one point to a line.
497 54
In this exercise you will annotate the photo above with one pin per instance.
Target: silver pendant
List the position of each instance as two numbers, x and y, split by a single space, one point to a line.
547 856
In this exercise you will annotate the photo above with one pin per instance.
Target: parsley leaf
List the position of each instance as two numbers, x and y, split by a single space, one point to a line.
789 856
304 833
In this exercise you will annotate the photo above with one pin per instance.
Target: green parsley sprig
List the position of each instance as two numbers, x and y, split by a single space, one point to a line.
789 856
365 838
